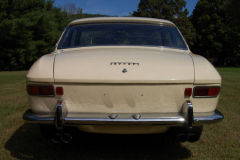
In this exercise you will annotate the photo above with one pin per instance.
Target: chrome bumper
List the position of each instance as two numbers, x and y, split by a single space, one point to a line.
185 118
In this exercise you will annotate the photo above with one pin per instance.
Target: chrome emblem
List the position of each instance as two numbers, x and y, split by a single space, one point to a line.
124 70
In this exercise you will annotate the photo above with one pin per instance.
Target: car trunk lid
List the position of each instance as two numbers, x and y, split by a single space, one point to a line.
123 65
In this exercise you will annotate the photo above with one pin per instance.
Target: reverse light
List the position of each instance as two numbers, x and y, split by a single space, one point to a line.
206 91
40 90
188 92
59 90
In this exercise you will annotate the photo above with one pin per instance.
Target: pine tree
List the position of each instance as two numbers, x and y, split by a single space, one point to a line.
29 29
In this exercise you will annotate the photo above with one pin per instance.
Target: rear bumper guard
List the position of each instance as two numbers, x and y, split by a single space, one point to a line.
186 118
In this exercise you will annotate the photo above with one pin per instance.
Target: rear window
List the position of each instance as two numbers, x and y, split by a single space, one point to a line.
121 34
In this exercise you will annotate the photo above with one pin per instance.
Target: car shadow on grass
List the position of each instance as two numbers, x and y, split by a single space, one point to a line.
27 143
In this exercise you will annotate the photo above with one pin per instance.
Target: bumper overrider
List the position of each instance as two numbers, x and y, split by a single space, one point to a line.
185 118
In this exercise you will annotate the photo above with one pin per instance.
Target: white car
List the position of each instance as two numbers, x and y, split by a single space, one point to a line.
122 75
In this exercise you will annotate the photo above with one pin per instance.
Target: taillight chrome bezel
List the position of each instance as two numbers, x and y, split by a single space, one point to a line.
41 85
193 93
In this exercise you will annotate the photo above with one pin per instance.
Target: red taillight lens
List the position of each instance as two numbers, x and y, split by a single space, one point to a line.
188 92
46 90
34 90
214 91
59 91
206 91
40 90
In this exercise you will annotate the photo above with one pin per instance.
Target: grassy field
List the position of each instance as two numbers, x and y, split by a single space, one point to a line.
23 141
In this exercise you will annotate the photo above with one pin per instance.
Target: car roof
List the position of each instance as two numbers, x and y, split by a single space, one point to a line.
120 19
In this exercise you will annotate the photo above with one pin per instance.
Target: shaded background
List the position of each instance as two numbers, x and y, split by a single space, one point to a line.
30 29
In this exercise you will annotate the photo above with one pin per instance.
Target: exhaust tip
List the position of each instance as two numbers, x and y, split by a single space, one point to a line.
193 138
182 138
56 138
66 138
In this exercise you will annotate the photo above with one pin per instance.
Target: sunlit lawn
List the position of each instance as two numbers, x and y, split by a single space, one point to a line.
23 141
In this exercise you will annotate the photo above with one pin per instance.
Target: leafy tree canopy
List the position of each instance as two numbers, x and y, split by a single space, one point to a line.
173 10
232 8
216 36
29 29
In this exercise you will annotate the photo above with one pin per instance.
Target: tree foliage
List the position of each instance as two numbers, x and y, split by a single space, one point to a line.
71 8
209 21
231 8
173 10
216 36
212 30
77 12
73 11
29 29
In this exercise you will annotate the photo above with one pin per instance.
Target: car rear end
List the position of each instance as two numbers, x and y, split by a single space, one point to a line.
123 88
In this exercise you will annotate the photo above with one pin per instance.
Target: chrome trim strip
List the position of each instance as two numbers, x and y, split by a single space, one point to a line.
173 119
127 119
123 45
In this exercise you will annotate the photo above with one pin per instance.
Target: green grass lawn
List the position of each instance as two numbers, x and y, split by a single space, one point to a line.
23 141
